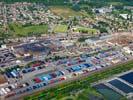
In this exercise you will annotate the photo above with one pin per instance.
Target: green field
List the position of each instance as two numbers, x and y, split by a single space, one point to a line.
66 12
85 30
20 30
64 90
60 29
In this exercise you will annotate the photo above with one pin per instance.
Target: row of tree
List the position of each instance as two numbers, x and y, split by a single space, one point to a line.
64 2
47 2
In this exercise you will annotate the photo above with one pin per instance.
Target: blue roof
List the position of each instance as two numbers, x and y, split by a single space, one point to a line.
88 65
58 73
76 68
47 76
83 66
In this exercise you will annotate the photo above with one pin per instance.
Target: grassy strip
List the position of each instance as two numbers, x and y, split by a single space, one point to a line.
66 88
60 29
86 30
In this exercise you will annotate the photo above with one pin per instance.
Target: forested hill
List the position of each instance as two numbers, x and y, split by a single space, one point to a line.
65 2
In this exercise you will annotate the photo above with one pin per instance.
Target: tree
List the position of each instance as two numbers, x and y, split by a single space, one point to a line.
76 7
82 39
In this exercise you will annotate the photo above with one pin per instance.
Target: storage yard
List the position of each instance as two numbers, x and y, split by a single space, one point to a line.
53 49
30 71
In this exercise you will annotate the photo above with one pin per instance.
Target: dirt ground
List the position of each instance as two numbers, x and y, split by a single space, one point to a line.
123 39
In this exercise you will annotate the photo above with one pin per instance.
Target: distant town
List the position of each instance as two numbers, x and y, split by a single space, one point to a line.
71 52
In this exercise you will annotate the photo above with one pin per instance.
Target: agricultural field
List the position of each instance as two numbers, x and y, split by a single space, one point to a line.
60 29
85 30
66 12
20 30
